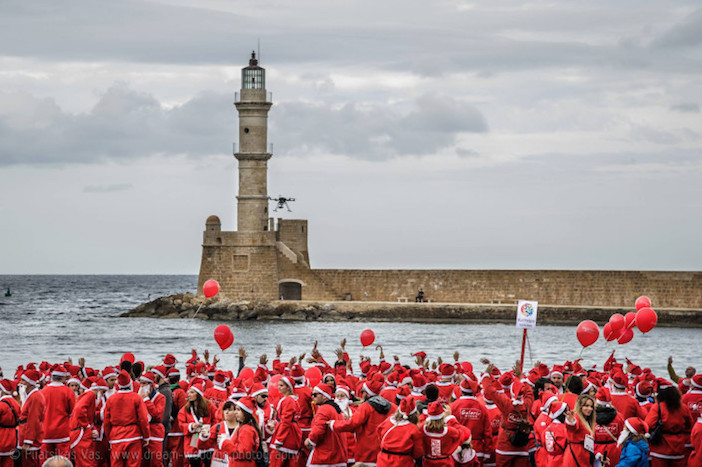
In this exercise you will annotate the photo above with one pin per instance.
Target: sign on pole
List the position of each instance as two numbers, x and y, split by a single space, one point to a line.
526 314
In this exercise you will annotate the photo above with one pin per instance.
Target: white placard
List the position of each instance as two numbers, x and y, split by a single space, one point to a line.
526 314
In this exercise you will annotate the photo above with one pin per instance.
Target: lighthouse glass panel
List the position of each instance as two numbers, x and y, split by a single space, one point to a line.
253 78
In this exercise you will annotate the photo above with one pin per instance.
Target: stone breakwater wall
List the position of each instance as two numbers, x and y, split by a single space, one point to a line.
185 306
667 289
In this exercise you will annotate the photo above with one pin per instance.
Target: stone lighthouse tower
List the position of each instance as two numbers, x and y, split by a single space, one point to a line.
264 258
253 155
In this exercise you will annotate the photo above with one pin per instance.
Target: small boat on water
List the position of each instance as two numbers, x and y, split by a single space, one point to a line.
8 293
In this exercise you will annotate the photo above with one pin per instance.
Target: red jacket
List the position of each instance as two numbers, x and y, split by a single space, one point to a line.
217 395
328 447
60 401
541 423
576 454
31 429
83 417
179 400
186 419
242 446
155 407
304 401
695 459
447 392
400 444
676 431
627 406
287 436
693 400
511 415
9 418
473 414
606 439
364 422
438 447
126 418
554 442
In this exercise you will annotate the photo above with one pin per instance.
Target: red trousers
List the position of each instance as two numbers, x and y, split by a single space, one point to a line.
511 461
102 452
126 454
283 459
56 449
174 446
657 462
31 458
153 454
84 453
6 461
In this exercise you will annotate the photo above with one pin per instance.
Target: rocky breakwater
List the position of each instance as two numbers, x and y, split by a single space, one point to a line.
186 306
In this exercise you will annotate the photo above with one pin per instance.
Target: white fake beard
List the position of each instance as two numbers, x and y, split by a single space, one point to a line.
22 392
343 404
622 437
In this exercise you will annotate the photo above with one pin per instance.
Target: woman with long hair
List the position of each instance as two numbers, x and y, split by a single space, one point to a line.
287 437
400 438
243 447
669 450
195 418
440 440
580 431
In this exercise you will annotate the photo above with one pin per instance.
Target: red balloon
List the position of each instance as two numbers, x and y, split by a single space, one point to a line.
630 320
626 336
617 322
313 375
246 373
646 319
224 336
210 288
273 387
642 302
610 334
588 333
367 337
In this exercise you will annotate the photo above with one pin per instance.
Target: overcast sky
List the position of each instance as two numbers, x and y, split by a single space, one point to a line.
412 133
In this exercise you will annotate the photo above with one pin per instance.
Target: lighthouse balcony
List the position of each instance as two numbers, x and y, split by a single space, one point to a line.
253 95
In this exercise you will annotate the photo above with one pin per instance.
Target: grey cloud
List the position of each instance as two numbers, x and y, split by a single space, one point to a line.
686 107
107 188
686 34
377 131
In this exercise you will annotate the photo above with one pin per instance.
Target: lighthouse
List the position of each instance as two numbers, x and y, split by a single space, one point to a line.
253 104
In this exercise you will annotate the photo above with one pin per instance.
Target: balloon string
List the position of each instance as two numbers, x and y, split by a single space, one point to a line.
198 310
581 352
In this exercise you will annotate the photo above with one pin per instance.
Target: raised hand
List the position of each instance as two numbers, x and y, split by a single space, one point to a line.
301 358
293 360
206 354
278 350
263 360
517 368
382 354
570 416
81 362
434 365
343 343
439 360
484 361
339 354
242 353
215 360
456 355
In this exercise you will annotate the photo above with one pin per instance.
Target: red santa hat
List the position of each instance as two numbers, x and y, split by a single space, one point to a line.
247 404
557 370
548 398
148 378
385 367
6 386
603 397
466 367
160 370
237 389
407 407
98 383
506 380
287 380
423 355
662 383
32 377
644 389
446 371
373 387
419 382
588 384
344 390
619 380
257 389
109 372
297 373
173 372
323 389
435 411
124 381
59 370
556 409
403 391
198 387
169 360
468 386
636 426
696 381
220 379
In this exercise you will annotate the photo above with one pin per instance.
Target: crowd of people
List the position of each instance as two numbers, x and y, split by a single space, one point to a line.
307 412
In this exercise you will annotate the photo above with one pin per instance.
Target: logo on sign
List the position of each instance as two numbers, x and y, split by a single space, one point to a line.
527 310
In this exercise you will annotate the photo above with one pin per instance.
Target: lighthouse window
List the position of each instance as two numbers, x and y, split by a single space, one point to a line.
246 130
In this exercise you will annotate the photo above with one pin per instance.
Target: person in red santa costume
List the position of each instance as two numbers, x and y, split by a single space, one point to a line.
343 400
440 440
693 400
224 430
9 420
155 405
540 424
174 438
608 425
670 449
243 446
472 414
695 459
327 448
31 428
195 419
217 394
400 438
60 400
364 422
554 435
580 431
287 437
126 424
303 394
514 410
82 422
